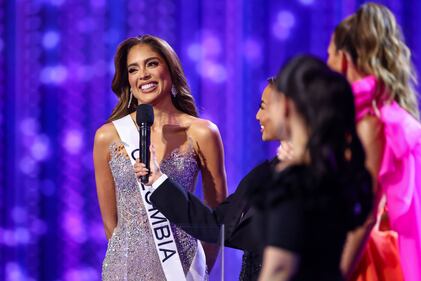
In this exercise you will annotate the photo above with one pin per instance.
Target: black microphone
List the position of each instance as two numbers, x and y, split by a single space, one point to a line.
145 118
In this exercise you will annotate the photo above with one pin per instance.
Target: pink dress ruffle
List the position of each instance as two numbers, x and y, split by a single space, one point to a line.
400 172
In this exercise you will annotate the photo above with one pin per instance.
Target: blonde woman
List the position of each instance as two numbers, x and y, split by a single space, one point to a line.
368 48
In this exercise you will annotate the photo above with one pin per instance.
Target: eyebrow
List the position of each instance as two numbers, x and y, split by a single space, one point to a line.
146 61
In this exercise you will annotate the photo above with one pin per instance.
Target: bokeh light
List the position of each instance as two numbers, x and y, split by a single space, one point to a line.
253 51
53 74
285 21
307 2
212 71
50 39
73 141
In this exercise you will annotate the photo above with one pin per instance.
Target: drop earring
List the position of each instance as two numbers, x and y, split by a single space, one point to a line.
130 99
173 91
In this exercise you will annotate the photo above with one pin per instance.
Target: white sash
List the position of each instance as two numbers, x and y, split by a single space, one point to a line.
160 226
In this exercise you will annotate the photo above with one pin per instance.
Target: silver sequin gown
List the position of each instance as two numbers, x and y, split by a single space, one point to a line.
131 253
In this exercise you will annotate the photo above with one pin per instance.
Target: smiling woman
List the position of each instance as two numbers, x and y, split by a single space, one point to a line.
130 61
271 104
149 77
148 71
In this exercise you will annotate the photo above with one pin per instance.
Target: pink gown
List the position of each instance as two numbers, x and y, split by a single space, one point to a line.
400 180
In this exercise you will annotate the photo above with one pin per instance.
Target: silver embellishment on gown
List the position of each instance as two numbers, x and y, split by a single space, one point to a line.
131 252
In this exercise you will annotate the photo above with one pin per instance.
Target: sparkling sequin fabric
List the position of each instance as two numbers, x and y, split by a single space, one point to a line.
251 266
131 253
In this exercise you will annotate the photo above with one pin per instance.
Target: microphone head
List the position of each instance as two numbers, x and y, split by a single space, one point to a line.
144 114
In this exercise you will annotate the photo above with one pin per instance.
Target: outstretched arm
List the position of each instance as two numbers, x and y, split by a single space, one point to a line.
191 214
187 211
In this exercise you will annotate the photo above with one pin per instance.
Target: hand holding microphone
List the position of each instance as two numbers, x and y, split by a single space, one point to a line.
141 170
145 119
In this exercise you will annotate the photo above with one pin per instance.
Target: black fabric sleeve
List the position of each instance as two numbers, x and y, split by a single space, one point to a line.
285 225
186 211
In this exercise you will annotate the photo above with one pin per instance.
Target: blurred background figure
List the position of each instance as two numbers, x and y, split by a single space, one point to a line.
369 49
324 190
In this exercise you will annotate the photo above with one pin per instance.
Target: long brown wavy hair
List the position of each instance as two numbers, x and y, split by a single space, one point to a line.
183 101
375 43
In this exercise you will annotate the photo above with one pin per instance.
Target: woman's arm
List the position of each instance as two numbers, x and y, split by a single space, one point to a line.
370 131
191 214
211 154
104 179
278 264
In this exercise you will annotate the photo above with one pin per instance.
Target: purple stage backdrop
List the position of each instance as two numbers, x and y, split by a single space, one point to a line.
56 66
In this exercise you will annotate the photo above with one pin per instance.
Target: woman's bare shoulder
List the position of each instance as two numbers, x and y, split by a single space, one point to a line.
106 134
202 128
369 124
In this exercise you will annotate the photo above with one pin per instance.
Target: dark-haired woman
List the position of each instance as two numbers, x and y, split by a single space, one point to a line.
324 190
368 48
148 71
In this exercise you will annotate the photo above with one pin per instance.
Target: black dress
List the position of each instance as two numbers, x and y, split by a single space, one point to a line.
235 212
306 216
